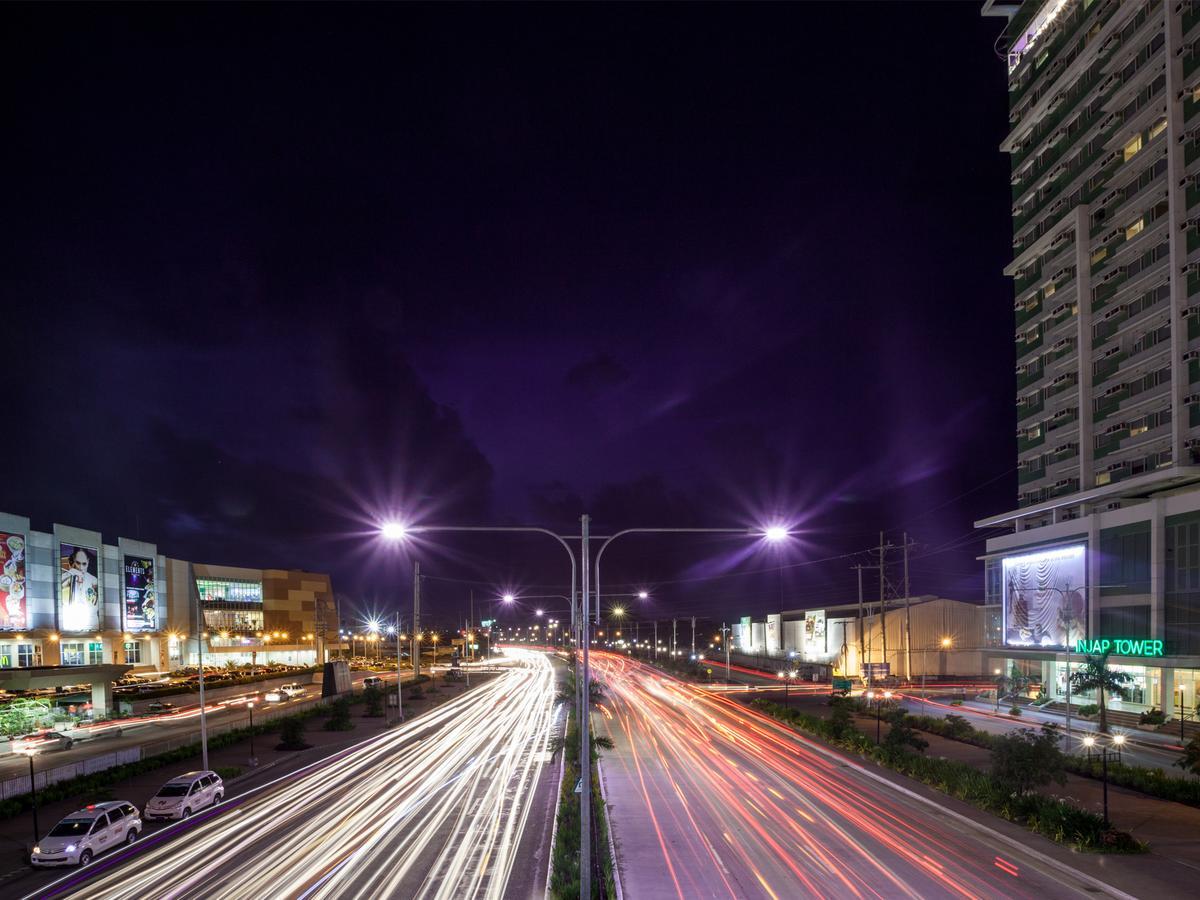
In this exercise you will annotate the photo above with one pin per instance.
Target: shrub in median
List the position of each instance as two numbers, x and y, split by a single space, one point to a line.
291 735
339 718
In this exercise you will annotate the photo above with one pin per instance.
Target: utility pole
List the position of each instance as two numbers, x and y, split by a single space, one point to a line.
416 641
862 642
656 639
725 640
674 623
882 601
337 601
907 618
693 635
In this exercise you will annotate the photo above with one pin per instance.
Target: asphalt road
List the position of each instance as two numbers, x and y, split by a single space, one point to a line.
436 808
709 799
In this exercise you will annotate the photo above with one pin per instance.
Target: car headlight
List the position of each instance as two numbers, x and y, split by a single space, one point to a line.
70 848
37 849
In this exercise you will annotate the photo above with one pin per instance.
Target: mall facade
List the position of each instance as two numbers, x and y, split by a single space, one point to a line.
1102 548
69 598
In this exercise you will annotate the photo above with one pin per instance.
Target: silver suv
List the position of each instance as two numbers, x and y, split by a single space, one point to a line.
184 795
88 832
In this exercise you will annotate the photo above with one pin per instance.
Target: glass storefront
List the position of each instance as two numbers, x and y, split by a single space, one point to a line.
1144 691
20 655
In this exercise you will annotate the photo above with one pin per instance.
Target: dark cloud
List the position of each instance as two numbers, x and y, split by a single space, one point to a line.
597 373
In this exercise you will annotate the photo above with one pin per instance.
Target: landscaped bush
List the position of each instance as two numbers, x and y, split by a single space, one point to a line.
1139 778
564 875
291 735
1152 717
373 698
1088 710
228 773
339 718
1015 711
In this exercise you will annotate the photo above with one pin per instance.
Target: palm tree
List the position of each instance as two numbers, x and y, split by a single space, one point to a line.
1096 676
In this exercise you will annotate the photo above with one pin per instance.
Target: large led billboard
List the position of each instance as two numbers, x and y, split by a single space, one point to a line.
1043 592
79 589
141 596
14 613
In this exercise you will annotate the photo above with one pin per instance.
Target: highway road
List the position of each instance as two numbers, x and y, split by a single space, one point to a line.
433 809
223 705
708 799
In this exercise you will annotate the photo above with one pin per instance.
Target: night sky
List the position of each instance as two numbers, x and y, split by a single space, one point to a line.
273 272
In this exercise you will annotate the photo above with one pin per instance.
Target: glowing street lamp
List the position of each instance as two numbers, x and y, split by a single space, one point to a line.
643 595
393 531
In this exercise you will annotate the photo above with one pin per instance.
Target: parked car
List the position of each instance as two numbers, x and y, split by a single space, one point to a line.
88 832
159 706
184 795
293 690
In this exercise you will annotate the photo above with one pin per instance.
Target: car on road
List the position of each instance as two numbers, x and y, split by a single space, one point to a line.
160 706
275 697
293 690
372 681
184 795
88 832
59 740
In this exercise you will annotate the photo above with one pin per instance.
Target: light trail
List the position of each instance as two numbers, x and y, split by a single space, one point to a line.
433 809
732 806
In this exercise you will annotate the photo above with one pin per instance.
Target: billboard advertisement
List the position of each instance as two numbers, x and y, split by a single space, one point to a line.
79 603
815 646
14 613
1044 593
141 597
774 633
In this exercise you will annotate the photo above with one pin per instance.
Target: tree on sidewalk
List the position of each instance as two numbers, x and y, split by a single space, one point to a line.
1190 761
1027 759
1095 675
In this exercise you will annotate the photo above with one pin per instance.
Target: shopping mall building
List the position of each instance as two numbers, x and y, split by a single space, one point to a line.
68 598
1102 549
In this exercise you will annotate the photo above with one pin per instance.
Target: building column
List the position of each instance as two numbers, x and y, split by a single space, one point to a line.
1177 235
1158 568
1093 574
1166 686
102 697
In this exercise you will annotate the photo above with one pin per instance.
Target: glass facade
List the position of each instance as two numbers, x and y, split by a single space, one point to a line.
133 653
240 620
222 590
20 655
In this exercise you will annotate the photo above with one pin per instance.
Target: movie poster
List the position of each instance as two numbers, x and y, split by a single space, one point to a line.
79 603
141 597
14 613
1044 595
814 634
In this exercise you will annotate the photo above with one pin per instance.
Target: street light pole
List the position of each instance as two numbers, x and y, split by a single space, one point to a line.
250 707
585 742
30 752
200 669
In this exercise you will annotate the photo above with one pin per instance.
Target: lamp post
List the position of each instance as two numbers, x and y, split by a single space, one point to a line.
1113 747
31 753
395 629
250 709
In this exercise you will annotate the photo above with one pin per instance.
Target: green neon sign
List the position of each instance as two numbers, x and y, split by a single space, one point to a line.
1120 646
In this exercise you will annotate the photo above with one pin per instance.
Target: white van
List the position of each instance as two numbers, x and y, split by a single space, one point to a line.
86 833
184 795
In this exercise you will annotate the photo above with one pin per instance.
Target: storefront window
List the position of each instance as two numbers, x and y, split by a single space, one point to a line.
26 656
216 590
95 653
133 652
72 653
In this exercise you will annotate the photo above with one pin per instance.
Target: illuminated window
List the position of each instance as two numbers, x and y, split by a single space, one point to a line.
1196 94
1132 148
133 653
1099 255
72 653
213 590
1034 433
1158 128
95 653
1049 289
1135 229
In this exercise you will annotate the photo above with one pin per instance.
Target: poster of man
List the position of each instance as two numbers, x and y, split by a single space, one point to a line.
14 614
79 594
141 601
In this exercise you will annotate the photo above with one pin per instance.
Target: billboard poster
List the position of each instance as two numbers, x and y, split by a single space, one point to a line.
141 597
14 613
814 634
774 633
1044 594
79 602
